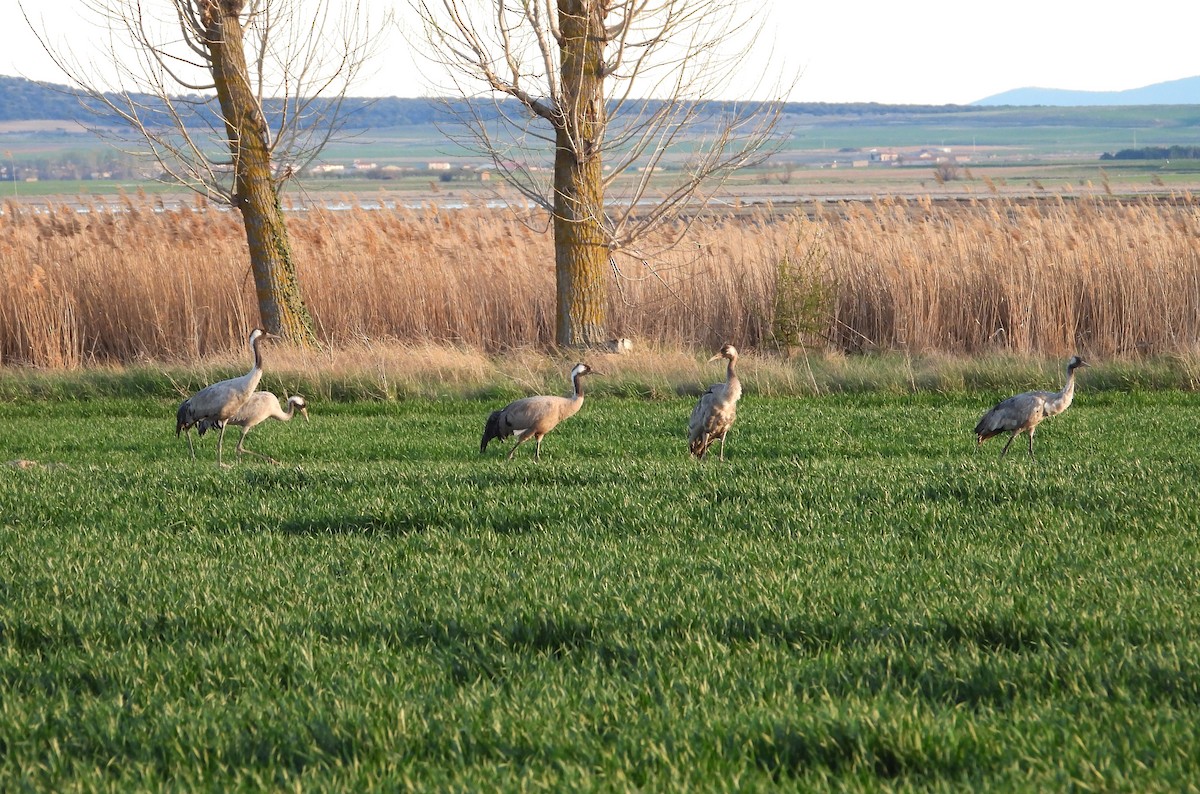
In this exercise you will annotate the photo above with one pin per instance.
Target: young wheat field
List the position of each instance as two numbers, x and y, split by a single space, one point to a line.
854 600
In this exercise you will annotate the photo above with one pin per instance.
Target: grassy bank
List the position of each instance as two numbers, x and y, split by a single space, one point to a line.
397 372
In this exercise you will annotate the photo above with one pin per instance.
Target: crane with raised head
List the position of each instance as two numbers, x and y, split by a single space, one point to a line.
534 417
215 404
261 406
716 411
1022 413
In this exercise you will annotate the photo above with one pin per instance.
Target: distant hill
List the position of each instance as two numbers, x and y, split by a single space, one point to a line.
23 100
26 100
1185 91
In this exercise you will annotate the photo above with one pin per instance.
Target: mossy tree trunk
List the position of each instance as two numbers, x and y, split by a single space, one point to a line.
256 194
580 247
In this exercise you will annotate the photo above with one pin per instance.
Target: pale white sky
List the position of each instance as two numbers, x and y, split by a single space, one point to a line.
933 52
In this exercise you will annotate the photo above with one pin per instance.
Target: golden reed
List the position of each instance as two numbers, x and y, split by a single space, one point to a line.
1101 276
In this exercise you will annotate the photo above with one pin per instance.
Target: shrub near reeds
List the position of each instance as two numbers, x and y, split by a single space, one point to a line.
1106 277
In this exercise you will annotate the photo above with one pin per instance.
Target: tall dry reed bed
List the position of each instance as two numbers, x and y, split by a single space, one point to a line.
1102 276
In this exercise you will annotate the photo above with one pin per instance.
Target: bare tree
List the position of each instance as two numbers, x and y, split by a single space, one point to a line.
265 82
786 172
946 171
618 90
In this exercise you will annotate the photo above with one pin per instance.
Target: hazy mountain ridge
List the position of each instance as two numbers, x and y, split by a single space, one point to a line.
1185 91
27 100
24 100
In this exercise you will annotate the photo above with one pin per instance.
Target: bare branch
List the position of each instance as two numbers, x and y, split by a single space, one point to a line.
678 148
301 65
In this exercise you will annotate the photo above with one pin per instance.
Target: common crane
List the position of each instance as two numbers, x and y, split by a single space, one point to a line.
1023 412
716 411
215 404
534 417
261 406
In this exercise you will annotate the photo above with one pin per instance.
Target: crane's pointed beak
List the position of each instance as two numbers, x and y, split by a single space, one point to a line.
717 357
304 411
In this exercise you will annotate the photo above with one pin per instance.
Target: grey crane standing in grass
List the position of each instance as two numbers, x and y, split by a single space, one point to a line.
217 403
1023 412
261 406
713 416
534 417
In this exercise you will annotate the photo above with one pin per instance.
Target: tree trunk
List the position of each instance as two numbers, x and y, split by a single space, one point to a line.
580 250
255 193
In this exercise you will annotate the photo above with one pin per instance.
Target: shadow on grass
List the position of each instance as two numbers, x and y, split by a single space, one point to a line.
422 519
847 746
390 525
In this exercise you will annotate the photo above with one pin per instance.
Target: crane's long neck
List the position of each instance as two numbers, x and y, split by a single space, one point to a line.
1068 389
256 372
287 413
258 359
577 387
733 386
1057 403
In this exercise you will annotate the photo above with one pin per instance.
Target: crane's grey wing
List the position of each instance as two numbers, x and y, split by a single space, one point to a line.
250 408
200 406
711 418
530 413
1008 415
260 405
721 419
699 419
516 418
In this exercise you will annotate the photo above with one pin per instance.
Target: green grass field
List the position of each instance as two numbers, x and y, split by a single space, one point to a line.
854 600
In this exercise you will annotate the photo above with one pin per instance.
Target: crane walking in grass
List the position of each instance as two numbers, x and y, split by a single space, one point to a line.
714 415
534 417
261 406
217 403
1023 412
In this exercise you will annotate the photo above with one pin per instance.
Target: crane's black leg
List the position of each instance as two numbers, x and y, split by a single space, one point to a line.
1031 457
520 441
1011 438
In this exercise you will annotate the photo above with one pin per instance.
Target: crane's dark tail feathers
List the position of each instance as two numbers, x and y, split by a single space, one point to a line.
181 418
986 427
490 430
